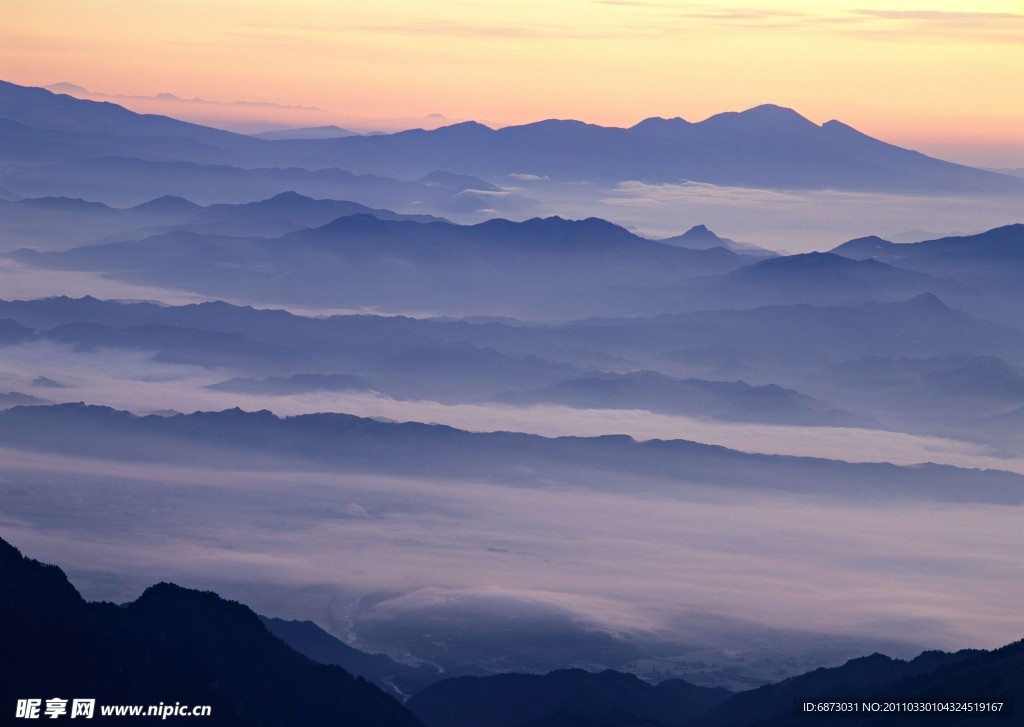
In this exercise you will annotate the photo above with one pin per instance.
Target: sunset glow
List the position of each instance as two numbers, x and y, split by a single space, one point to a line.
931 75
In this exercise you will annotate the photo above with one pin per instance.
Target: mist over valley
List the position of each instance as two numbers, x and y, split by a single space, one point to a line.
649 421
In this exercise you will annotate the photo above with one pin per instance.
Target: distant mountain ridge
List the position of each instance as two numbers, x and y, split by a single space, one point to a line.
55 223
309 132
362 260
358 444
992 261
764 147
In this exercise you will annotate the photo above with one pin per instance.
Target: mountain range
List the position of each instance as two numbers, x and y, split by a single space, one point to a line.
174 645
341 442
914 365
766 147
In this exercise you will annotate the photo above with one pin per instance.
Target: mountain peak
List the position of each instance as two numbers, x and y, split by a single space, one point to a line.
659 128
458 182
773 111
167 203
462 127
765 116
289 194
699 231
863 248
926 301
67 88
656 121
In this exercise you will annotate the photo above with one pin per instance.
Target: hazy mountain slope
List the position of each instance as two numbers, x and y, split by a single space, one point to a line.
309 639
60 223
824 278
730 401
824 353
124 181
308 132
539 265
993 257
341 442
990 262
39 108
921 326
170 645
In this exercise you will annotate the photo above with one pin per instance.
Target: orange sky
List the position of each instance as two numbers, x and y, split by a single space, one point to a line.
932 75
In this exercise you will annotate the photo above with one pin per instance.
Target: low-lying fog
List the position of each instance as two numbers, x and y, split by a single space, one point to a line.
783 220
133 381
388 561
22 282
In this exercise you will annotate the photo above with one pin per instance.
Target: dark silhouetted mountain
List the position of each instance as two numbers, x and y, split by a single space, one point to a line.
309 132
170 645
309 639
346 443
964 676
701 238
516 700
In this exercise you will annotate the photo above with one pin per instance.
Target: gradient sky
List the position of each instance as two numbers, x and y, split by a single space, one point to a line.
945 77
